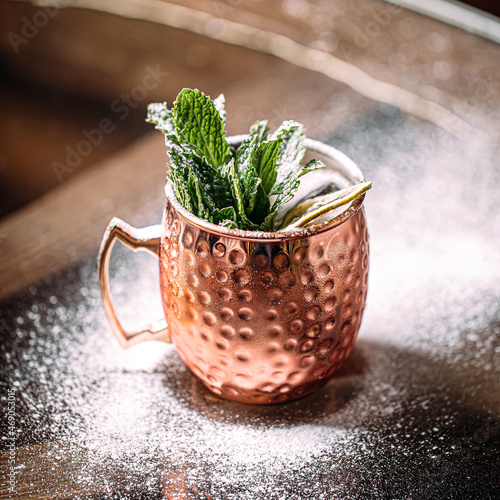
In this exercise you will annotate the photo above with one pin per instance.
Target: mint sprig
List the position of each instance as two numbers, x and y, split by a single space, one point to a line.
232 188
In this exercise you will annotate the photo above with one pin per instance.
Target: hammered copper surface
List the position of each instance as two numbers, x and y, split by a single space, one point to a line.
263 322
258 317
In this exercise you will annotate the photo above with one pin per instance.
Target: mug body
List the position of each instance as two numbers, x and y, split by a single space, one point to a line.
266 318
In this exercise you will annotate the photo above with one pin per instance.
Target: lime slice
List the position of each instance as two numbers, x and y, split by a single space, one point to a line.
304 213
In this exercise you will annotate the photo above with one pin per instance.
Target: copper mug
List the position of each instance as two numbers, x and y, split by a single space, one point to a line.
259 318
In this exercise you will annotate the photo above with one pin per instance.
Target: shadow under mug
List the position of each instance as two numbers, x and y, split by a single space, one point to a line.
258 318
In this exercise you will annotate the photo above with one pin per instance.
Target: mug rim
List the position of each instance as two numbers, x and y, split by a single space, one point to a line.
348 169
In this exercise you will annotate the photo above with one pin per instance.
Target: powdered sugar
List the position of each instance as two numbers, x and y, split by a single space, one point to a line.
417 389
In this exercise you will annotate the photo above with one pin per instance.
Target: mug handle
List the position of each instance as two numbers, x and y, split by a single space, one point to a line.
145 239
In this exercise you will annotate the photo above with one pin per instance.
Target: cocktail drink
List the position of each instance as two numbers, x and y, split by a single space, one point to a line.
258 317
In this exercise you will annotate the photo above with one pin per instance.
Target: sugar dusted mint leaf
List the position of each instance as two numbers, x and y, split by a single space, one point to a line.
285 129
213 188
199 125
246 172
229 186
310 166
287 190
229 224
263 160
229 171
260 130
162 117
181 190
226 217
292 150
255 200
265 155
203 211
220 106
283 197
243 153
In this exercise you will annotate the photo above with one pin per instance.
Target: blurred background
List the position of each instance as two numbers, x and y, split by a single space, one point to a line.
77 76
67 65
410 89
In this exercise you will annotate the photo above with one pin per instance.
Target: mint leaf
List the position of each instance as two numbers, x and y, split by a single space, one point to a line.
260 130
291 152
263 159
212 189
255 201
229 171
220 106
226 217
275 152
243 153
310 166
162 117
258 161
181 190
199 124
228 223
225 185
203 211
264 156
287 190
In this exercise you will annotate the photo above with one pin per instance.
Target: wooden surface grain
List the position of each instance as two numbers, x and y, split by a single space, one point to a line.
37 480
459 71
39 126
456 70
68 222
434 61
109 56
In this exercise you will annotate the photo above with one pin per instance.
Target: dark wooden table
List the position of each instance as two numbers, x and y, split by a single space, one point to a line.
415 411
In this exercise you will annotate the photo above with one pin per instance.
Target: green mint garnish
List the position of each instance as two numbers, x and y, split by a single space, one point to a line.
232 188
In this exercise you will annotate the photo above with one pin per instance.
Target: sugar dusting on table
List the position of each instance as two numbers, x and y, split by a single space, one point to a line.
428 349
